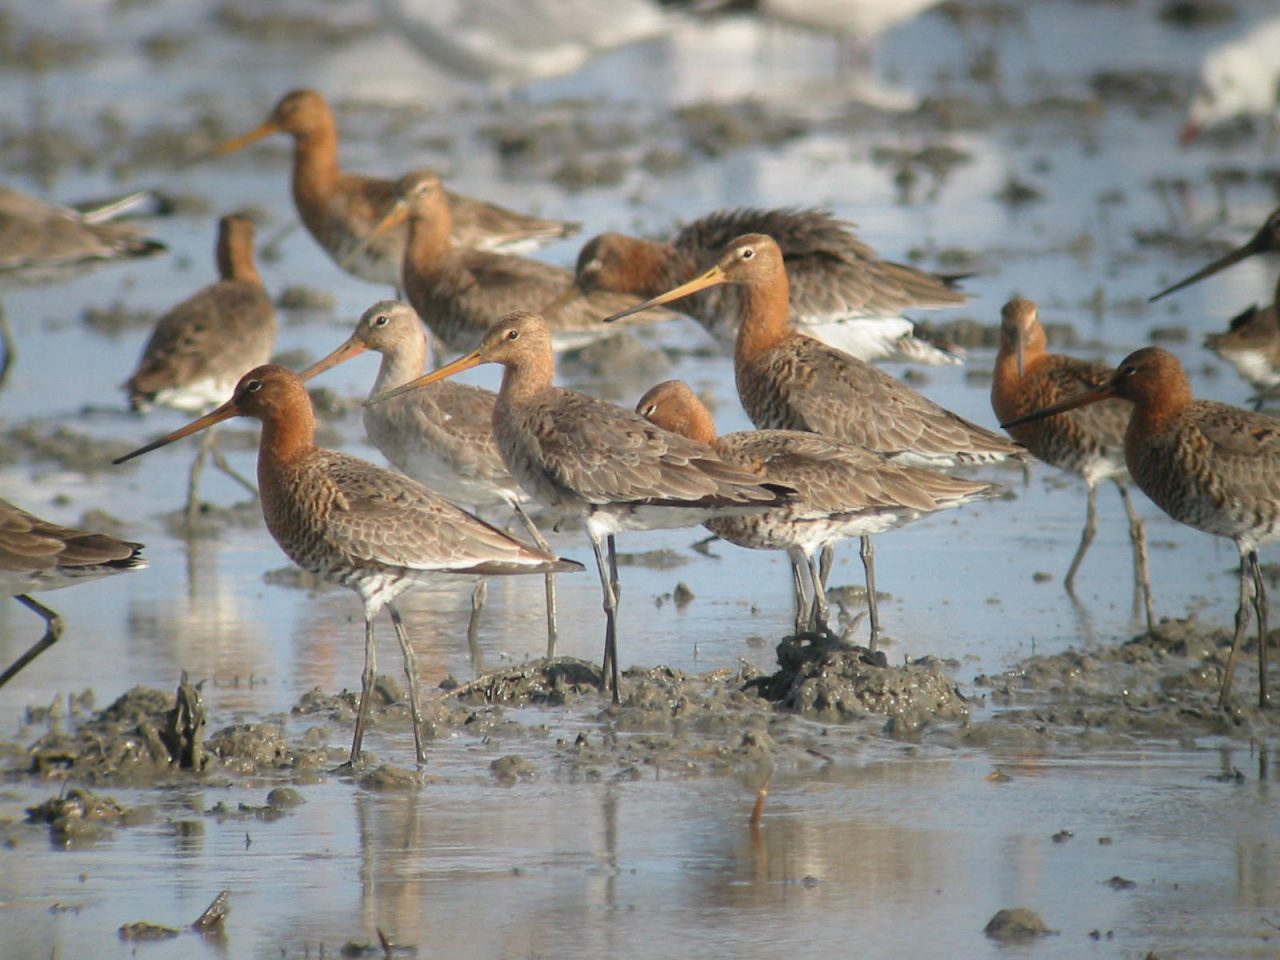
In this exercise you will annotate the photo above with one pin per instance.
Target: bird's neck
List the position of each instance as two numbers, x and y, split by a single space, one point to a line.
401 365
766 317
655 267
286 441
235 262
315 161
429 230
525 379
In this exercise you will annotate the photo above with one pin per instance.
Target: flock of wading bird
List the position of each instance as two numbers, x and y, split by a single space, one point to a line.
841 450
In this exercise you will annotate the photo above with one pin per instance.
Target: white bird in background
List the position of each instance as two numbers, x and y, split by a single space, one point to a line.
512 42
859 20
1238 79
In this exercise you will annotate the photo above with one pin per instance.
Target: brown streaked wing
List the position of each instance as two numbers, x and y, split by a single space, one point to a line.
830 392
222 330
385 518
607 454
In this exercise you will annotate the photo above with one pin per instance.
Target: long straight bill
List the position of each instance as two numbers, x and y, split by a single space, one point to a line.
713 277
395 216
1235 256
1103 392
352 348
224 412
253 136
472 359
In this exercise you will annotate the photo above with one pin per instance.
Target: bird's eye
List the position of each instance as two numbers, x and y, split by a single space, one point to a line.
253 386
649 410
513 334
1128 371
381 320
748 253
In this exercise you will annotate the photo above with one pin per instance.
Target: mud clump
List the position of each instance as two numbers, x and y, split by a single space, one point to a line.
1164 684
512 768
147 737
826 679
79 816
1016 924
544 682
143 735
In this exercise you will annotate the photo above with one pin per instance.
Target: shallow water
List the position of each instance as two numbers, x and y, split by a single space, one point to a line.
910 850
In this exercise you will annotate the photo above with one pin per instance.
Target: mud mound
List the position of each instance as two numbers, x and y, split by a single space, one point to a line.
826 679
1163 685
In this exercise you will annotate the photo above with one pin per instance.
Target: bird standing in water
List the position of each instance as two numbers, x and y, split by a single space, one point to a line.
441 435
36 555
584 457
841 491
350 523
200 348
789 381
1088 441
1209 465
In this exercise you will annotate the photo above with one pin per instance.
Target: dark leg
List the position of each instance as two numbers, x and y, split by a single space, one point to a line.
1260 608
821 612
7 349
1086 538
1242 621
552 632
193 479
478 597
411 674
221 463
804 606
52 631
826 563
616 586
1141 569
869 566
610 667
366 689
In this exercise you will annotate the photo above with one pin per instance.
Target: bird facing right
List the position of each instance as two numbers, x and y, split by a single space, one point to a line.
36 555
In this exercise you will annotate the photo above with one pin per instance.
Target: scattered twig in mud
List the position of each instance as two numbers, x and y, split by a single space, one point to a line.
757 810
387 945
214 916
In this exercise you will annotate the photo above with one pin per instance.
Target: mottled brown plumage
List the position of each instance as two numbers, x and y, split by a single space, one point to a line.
1251 344
40 242
789 381
841 292
351 523
440 435
1088 441
36 555
581 456
340 209
460 293
201 347
1209 465
840 491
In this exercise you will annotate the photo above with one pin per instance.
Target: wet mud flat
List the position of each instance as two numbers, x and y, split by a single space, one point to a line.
559 724
826 715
